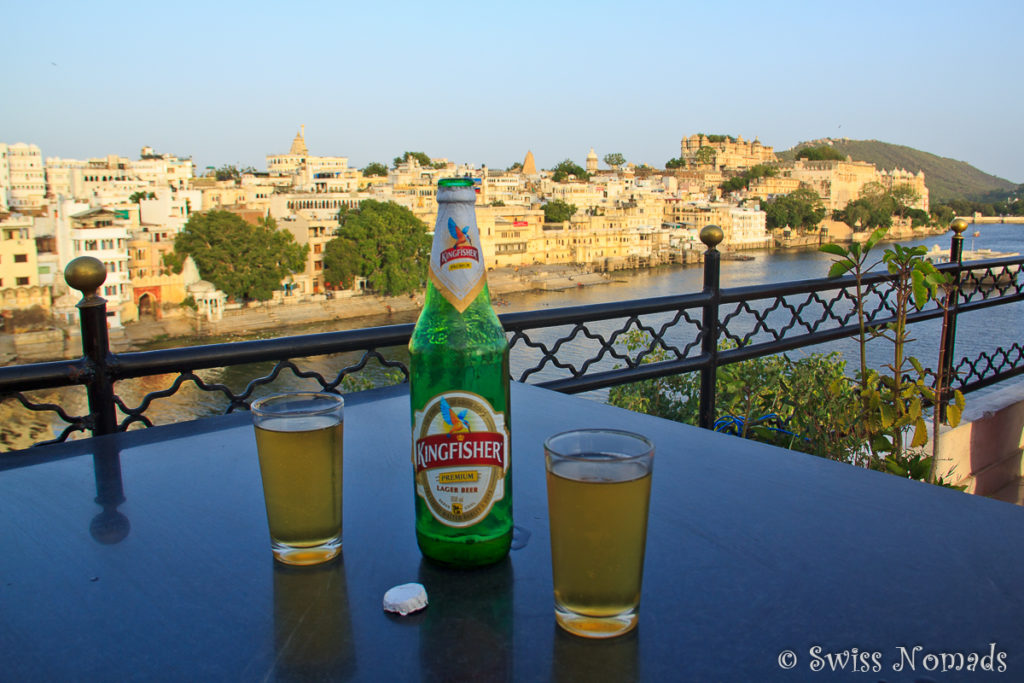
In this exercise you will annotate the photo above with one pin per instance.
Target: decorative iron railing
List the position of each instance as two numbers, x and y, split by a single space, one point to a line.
571 350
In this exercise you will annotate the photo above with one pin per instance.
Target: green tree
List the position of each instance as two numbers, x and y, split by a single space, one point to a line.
382 242
375 168
706 156
557 211
566 168
614 159
420 157
821 153
743 180
904 196
245 261
137 197
227 172
873 209
801 209
517 166
675 162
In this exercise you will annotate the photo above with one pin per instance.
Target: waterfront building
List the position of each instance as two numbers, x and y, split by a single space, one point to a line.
307 227
154 285
744 228
22 178
103 234
900 176
510 235
836 182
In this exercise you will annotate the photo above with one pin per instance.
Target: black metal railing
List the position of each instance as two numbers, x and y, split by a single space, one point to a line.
571 350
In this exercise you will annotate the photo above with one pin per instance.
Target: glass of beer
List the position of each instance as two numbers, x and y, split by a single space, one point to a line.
299 442
599 487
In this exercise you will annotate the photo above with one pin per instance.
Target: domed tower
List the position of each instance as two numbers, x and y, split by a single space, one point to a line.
592 161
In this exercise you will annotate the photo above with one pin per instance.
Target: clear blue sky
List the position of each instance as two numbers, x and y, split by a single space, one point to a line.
230 82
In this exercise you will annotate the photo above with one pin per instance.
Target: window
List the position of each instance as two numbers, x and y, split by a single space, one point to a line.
21 258
22 281
90 245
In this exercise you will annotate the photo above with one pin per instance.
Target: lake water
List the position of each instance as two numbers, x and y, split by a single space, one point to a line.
986 330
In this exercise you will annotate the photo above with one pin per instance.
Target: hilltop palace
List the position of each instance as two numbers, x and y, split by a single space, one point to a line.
126 213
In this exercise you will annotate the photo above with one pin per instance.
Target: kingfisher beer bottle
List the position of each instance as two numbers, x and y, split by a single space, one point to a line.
458 361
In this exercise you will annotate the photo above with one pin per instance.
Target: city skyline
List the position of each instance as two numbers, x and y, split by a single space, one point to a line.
232 83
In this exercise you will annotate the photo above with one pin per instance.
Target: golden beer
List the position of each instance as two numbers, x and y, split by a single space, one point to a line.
597 507
301 465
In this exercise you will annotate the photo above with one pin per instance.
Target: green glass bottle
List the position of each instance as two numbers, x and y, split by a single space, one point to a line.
459 376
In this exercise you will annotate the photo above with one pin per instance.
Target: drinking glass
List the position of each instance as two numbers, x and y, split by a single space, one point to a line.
599 485
299 442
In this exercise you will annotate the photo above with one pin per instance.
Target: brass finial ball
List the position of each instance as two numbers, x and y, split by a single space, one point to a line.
712 236
958 225
86 274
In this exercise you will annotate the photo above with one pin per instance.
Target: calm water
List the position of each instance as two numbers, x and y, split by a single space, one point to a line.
1000 326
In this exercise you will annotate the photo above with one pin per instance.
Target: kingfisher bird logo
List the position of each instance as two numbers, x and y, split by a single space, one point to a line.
462 249
461 237
454 423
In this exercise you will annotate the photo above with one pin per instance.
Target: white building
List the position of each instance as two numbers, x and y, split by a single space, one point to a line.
748 228
102 234
22 178
100 180
167 212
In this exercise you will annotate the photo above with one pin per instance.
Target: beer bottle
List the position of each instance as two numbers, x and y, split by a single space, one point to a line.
458 363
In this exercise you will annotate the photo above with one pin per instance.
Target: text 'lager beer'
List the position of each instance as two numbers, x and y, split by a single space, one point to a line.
458 361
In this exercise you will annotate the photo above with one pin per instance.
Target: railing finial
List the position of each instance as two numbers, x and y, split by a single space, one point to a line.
712 236
86 274
958 225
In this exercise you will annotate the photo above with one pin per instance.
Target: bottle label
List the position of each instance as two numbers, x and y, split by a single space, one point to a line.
456 262
460 457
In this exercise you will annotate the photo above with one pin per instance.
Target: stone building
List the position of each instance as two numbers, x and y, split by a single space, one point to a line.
899 176
840 182
729 153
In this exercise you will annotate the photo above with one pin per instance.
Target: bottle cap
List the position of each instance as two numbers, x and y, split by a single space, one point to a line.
405 599
455 182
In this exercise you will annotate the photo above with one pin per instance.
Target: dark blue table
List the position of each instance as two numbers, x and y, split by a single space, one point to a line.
753 551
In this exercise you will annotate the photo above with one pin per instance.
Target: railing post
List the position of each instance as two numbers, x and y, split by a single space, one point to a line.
948 341
711 236
87 274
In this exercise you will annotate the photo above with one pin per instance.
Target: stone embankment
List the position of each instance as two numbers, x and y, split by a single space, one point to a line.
65 341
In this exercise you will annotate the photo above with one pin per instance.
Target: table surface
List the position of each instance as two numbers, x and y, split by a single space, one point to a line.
751 551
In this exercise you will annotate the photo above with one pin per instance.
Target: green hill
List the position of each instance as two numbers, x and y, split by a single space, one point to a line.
946 178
